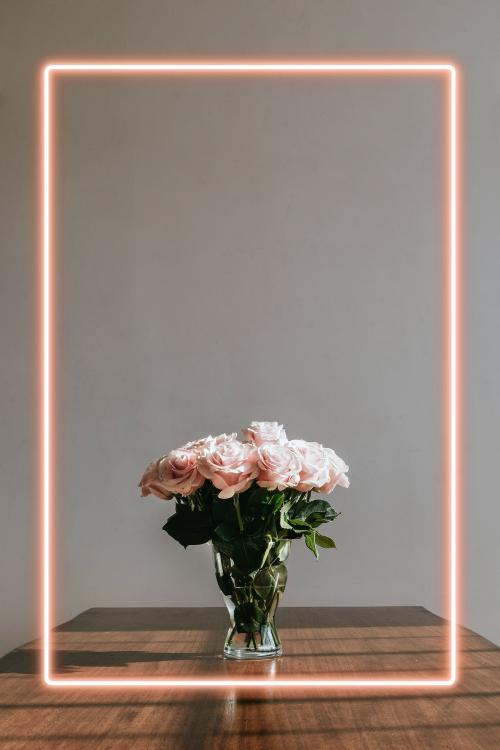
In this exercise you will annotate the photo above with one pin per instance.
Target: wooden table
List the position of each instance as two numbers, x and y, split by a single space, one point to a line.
345 641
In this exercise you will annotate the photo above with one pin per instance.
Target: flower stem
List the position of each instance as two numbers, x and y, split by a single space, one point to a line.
237 509
231 636
275 632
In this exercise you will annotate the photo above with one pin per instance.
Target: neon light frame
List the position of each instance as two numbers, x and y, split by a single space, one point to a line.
47 400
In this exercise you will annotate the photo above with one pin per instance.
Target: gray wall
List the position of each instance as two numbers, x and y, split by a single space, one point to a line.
230 250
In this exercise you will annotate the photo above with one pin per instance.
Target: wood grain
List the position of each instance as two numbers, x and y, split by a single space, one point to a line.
340 641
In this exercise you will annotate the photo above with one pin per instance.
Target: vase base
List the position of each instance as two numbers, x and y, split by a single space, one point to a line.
263 644
241 654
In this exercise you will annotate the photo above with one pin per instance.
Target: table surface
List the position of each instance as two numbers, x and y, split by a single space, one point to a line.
343 642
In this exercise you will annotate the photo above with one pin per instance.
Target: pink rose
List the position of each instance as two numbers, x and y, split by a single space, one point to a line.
314 466
279 466
265 432
204 443
151 483
197 445
223 438
338 469
230 465
176 473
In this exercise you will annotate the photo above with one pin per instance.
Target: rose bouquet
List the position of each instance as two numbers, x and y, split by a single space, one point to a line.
250 499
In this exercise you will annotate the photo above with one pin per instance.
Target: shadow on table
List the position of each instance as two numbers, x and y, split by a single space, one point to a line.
28 661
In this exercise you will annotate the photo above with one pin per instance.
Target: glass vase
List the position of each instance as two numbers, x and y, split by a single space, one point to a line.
252 601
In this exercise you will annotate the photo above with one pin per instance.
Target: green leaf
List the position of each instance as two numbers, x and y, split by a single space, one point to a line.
314 512
276 500
248 553
226 532
316 519
248 617
289 535
324 541
264 583
256 495
259 509
189 526
223 512
311 543
300 505
272 529
278 552
282 574
317 506
284 520
299 525
226 584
